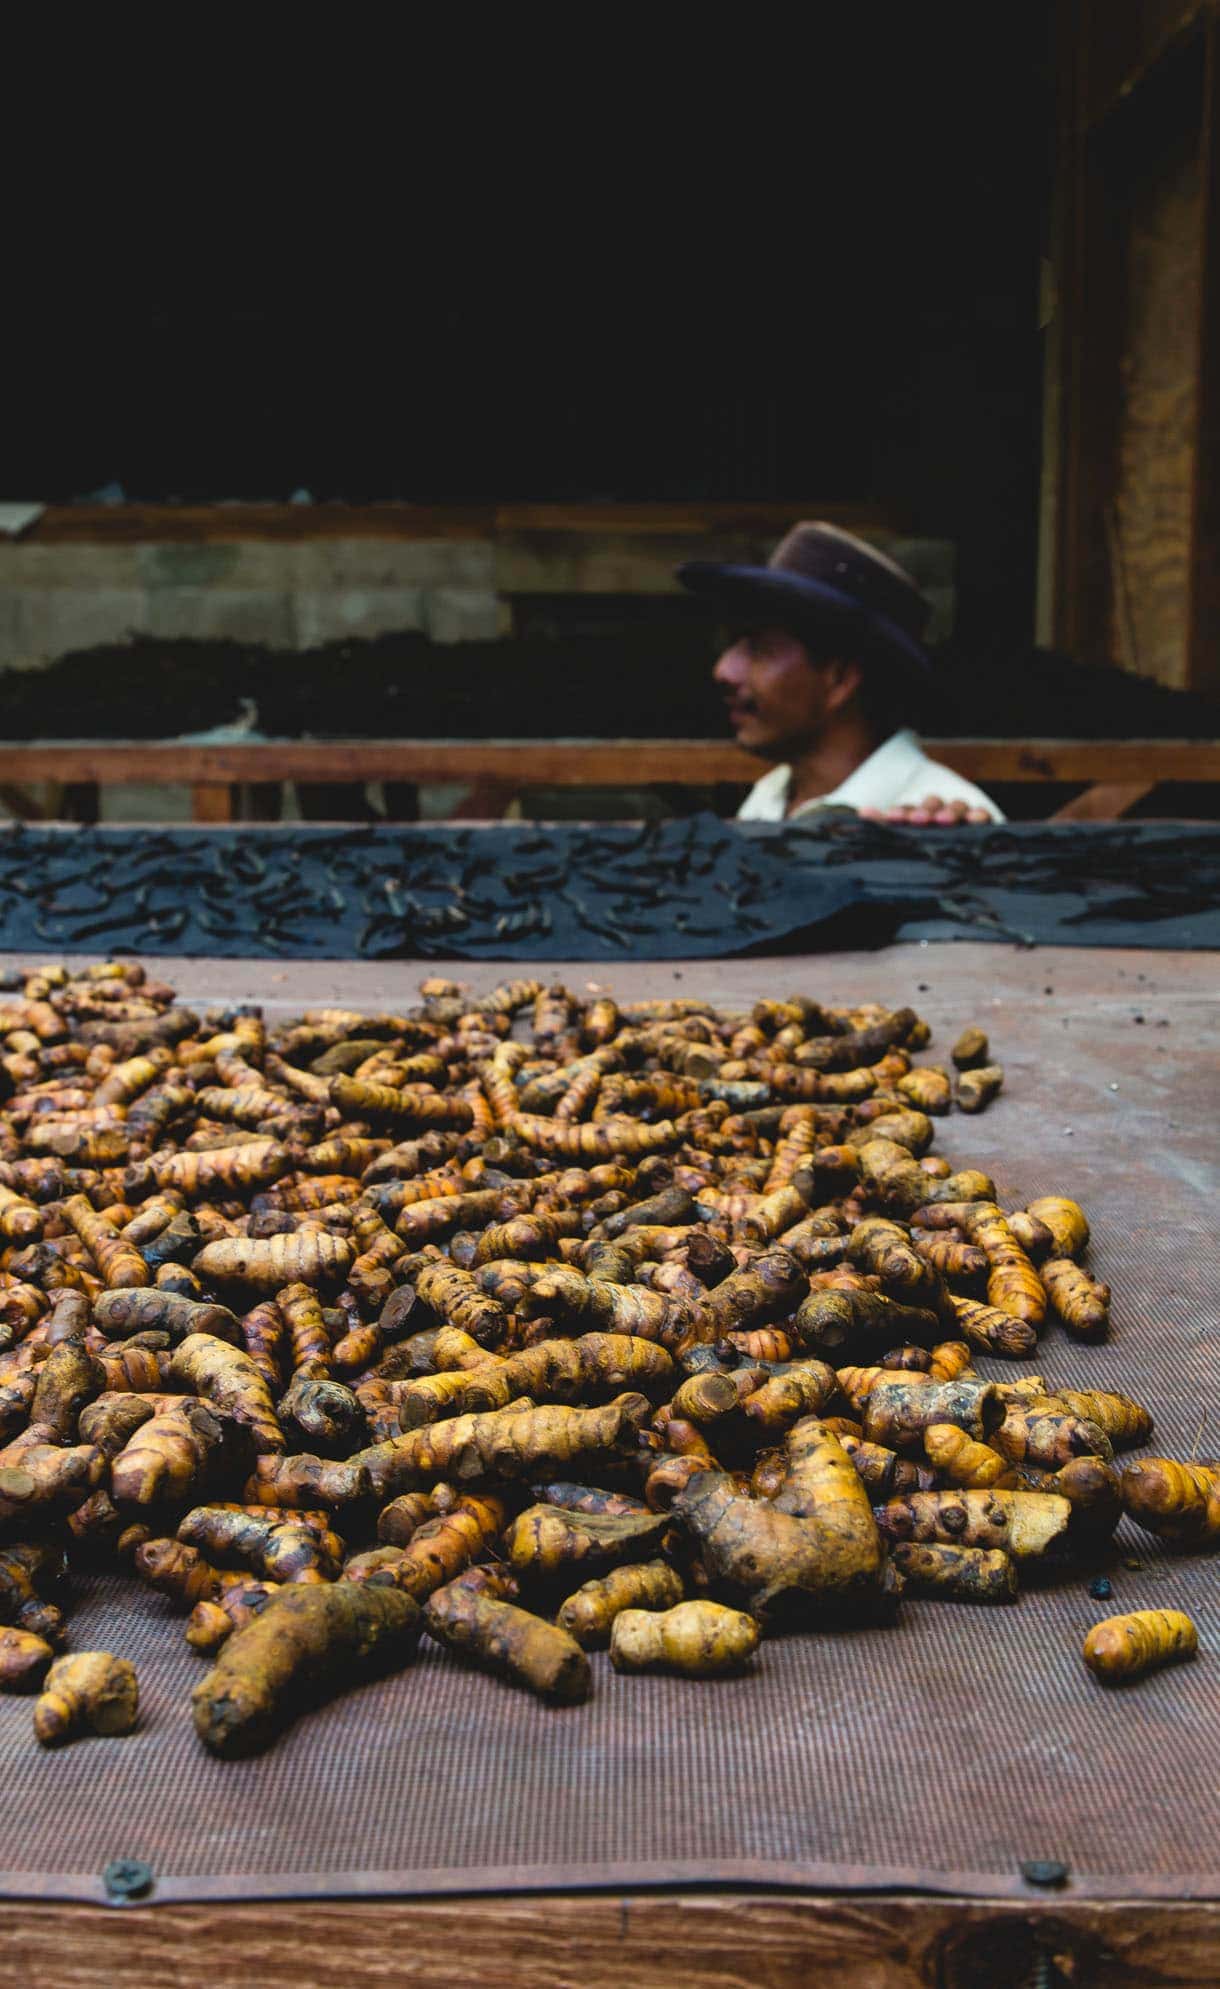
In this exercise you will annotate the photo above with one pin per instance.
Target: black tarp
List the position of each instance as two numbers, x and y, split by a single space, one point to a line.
684 889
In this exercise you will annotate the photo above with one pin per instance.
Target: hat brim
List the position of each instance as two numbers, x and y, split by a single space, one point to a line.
807 605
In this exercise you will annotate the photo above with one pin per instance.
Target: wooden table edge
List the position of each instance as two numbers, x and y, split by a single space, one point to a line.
601 1940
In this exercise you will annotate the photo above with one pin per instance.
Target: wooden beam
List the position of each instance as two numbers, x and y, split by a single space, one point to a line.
573 762
1106 801
192 524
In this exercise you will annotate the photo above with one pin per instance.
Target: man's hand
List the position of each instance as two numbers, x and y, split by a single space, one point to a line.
930 812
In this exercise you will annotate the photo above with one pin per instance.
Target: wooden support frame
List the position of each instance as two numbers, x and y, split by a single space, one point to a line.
706 1939
1129 564
1125 769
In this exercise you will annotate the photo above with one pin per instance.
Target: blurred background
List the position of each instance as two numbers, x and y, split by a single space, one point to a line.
381 403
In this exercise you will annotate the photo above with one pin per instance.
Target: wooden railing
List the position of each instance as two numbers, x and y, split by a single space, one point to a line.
1119 772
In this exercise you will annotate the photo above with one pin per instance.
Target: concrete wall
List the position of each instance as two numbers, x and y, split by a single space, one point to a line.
293 596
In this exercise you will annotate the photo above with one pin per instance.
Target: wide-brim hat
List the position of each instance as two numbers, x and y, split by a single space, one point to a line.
826 585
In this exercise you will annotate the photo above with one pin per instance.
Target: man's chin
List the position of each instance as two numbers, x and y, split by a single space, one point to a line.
759 741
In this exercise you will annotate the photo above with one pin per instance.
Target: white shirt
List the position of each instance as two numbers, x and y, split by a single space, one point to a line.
898 775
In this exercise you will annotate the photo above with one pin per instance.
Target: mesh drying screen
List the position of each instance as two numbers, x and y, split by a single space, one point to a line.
939 1753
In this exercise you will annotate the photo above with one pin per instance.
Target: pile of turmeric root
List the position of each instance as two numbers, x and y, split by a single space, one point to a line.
529 1323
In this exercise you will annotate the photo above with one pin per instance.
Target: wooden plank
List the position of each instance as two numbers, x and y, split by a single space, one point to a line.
574 762
708 1940
191 524
1203 662
1106 801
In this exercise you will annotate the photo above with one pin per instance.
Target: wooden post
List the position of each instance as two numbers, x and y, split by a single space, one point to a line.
212 801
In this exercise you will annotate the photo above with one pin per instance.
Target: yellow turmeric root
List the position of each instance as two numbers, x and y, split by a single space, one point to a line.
546 1541
268 1263
1180 1502
501 1638
962 1460
803 1391
443 1546
993 1331
307 1644
212 1623
1127 1424
181 1572
1066 1221
89 1692
694 1639
507 1443
119 1263
951 1361
589 1614
24 1658
227 1377
1081 1302
1124 1648
1013 1285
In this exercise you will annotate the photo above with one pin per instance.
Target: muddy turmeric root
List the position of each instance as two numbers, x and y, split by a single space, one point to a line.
900 1407
694 1639
589 1614
815 1545
1022 1523
507 1443
277 1550
168 1457
958 1574
771 1288
89 1692
977 1086
303 1480
307 1644
212 1623
24 1658
123 1312
1048 1437
1124 1648
501 1638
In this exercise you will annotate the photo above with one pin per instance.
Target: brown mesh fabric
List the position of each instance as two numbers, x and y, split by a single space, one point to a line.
937 1754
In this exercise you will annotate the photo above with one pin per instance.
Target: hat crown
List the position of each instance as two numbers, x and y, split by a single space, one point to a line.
837 559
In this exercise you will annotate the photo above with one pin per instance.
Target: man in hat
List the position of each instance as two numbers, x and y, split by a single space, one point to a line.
824 672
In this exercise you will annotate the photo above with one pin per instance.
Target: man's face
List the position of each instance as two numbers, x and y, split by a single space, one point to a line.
778 697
